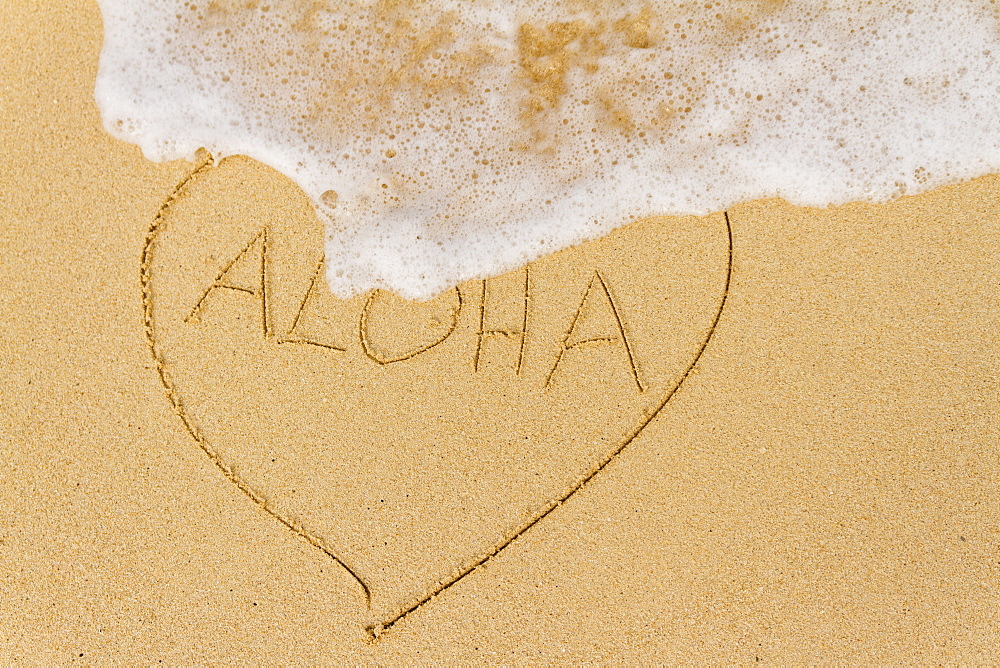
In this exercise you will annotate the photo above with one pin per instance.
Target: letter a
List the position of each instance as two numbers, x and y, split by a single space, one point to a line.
567 345
246 273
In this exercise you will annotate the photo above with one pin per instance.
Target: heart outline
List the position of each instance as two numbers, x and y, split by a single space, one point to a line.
375 630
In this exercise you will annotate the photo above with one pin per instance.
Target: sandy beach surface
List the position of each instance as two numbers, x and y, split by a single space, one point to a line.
765 435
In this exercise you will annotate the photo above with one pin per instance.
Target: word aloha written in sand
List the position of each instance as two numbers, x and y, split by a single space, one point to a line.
412 442
248 274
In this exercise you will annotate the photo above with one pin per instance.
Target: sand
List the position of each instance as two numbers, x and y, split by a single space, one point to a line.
765 435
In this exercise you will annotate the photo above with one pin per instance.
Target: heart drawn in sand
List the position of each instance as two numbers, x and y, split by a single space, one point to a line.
412 442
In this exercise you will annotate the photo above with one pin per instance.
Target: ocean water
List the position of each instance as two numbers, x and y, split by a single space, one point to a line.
443 140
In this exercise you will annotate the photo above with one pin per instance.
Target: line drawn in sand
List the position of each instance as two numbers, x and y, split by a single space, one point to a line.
596 286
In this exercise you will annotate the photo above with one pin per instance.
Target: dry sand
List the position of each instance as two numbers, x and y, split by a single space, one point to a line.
209 459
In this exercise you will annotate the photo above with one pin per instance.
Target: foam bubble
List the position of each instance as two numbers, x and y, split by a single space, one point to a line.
443 140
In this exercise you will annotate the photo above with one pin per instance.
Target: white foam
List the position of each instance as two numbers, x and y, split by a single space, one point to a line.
465 137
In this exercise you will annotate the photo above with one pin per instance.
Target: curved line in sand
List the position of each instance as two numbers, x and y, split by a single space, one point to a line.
159 221
375 631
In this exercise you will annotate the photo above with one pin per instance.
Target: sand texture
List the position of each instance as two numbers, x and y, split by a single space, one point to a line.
768 434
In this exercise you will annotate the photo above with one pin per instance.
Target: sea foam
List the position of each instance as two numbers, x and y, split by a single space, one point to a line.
443 140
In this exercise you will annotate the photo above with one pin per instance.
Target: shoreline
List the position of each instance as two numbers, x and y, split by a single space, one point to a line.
821 486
